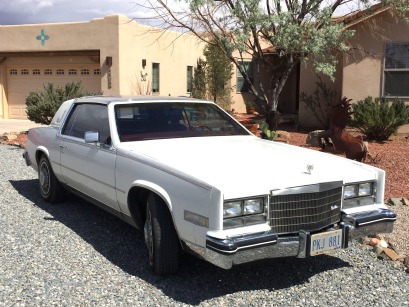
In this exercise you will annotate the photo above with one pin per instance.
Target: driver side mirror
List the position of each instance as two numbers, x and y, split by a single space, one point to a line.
91 137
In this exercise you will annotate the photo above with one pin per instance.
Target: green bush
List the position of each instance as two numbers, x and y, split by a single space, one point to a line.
379 119
42 105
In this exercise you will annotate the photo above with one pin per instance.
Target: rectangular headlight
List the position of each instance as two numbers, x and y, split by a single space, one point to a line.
365 189
253 206
351 191
358 190
232 209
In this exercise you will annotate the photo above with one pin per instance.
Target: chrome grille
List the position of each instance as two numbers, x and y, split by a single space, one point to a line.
313 210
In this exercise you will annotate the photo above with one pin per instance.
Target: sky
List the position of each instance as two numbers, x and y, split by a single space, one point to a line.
14 12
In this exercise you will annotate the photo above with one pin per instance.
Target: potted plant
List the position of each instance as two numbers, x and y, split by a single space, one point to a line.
249 106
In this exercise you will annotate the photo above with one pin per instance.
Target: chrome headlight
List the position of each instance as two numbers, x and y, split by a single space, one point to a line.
253 206
232 209
242 212
358 190
365 189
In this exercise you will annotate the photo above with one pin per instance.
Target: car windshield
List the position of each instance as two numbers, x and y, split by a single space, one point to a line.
150 121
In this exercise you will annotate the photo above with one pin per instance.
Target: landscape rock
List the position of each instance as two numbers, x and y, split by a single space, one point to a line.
378 250
391 254
378 236
405 201
396 201
9 137
406 261
283 136
313 139
373 241
392 246
382 243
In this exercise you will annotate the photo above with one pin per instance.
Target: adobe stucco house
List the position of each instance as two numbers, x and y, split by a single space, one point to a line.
112 55
117 56
382 69
377 65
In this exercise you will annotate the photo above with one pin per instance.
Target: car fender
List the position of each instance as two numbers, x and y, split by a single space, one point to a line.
156 189
43 150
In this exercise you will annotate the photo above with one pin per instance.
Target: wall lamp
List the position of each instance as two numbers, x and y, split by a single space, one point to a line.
108 61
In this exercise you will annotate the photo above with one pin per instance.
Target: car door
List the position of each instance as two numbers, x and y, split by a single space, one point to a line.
89 167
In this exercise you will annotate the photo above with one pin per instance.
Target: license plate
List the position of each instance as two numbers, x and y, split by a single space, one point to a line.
326 242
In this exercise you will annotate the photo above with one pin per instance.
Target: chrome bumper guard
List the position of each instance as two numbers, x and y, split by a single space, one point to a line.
370 222
228 252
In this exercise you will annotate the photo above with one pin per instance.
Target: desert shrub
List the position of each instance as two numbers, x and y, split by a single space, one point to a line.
378 119
267 134
42 105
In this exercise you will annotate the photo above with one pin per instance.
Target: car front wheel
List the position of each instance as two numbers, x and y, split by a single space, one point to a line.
50 188
160 237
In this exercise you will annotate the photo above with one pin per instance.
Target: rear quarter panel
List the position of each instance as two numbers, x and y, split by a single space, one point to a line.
43 140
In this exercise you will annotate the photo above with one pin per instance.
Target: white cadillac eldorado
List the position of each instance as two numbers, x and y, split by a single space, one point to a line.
175 168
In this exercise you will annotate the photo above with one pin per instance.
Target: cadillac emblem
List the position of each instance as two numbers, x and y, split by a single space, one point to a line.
310 167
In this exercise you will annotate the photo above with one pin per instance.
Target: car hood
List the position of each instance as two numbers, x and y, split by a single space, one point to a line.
248 166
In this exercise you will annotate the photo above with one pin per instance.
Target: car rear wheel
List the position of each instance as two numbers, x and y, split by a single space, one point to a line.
50 188
160 237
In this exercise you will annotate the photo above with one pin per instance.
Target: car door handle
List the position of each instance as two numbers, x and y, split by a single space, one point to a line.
63 147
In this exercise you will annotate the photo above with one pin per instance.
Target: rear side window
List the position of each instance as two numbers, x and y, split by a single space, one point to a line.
88 117
59 116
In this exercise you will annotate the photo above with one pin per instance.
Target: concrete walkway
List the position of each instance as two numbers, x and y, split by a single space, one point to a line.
16 125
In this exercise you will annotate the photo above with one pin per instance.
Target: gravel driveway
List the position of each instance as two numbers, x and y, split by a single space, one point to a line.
76 254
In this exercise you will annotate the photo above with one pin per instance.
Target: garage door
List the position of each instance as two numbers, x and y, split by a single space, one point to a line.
23 79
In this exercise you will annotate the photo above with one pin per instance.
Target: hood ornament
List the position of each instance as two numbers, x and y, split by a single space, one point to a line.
310 168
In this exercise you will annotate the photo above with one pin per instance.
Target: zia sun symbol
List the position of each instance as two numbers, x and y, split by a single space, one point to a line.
42 37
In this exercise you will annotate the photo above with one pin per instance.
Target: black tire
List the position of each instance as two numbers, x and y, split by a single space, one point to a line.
50 188
160 237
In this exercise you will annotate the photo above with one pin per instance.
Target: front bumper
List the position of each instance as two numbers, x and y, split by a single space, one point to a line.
227 252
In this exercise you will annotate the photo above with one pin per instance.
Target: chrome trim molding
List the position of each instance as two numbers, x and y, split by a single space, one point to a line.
370 222
314 188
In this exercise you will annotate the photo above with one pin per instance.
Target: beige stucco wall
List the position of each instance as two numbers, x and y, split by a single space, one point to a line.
359 74
308 80
3 85
363 73
173 51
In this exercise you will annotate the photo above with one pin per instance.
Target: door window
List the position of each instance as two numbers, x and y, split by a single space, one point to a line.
88 117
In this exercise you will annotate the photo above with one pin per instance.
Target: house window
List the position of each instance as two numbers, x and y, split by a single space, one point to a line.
60 71
396 71
84 71
13 71
36 72
48 72
24 71
189 79
242 85
72 72
155 77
